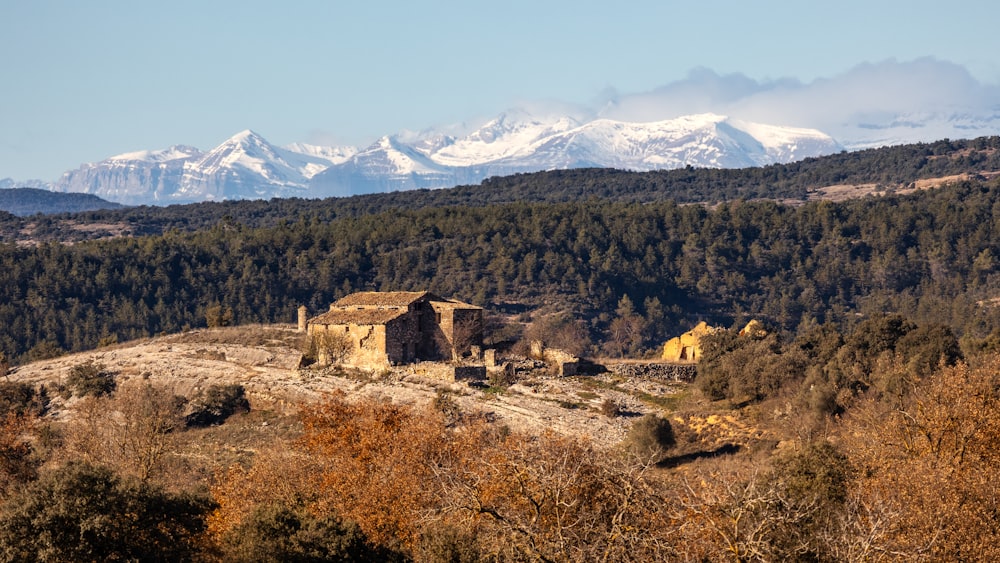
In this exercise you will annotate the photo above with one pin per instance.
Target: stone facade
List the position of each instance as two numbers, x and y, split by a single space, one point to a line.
686 348
375 330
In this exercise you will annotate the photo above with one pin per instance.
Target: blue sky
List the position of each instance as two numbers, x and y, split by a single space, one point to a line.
82 81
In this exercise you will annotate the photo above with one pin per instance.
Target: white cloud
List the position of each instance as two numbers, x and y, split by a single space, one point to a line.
871 104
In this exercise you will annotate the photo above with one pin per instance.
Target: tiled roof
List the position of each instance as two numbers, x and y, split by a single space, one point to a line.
380 298
358 316
451 304
380 307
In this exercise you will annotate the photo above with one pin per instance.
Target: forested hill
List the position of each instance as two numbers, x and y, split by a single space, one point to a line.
633 273
29 201
888 168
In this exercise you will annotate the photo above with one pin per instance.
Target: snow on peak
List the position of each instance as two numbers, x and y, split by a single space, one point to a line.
173 153
246 135
333 155
246 165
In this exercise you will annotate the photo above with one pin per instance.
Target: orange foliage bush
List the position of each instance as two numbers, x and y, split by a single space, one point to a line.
931 468
402 472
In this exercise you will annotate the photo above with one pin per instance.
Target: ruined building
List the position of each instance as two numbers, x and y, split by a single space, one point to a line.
687 347
374 329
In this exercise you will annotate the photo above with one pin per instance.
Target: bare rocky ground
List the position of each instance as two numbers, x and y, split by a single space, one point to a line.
265 360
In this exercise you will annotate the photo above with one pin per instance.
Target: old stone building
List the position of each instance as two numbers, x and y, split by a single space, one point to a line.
374 329
686 347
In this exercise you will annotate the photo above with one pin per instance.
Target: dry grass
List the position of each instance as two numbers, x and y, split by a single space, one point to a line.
265 359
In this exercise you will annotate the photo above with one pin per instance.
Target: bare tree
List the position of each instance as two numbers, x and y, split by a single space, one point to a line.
332 347
467 331
131 431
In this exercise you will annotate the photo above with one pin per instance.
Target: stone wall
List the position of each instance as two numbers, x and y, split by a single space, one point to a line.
449 373
669 372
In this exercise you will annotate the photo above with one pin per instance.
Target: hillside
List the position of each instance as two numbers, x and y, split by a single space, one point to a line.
390 462
265 361
859 173
655 267
29 201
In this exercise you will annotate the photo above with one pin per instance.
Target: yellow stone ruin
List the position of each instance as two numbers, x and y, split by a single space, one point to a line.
687 347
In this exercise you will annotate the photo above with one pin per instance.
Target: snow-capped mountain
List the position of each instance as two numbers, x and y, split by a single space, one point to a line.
508 145
10 183
247 166
131 178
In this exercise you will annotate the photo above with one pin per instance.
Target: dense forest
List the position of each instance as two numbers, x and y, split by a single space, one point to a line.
931 255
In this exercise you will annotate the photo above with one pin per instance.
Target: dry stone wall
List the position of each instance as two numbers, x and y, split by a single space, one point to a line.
668 372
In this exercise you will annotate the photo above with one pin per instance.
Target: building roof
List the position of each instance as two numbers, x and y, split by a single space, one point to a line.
451 304
358 316
380 299
380 307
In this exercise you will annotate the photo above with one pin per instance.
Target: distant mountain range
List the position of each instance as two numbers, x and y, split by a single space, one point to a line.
247 166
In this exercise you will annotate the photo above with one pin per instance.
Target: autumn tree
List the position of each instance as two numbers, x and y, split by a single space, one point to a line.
132 431
627 330
375 459
928 465
18 463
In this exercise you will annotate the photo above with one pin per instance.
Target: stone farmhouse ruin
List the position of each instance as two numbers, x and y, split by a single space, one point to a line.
686 348
373 330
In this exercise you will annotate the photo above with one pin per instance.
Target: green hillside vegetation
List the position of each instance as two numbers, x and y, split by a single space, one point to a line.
931 256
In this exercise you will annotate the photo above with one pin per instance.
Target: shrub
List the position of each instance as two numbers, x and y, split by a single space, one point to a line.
611 408
80 512
90 379
448 544
217 403
502 378
818 473
19 398
447 406
18 460
650 437
278 534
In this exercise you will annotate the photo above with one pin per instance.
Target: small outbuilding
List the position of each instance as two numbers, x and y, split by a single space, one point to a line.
686 348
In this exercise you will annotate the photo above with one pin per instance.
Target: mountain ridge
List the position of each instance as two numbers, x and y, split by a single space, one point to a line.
247 166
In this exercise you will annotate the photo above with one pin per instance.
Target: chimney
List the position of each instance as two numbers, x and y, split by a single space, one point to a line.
302 318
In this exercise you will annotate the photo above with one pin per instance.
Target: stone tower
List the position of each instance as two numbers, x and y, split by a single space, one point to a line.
302 318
